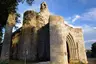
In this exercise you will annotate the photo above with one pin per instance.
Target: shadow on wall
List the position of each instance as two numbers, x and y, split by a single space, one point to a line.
43 46
0 48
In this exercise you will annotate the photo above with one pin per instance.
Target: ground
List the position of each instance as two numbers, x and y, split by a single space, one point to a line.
92 60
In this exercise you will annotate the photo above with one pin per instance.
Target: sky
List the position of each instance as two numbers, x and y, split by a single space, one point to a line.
77 13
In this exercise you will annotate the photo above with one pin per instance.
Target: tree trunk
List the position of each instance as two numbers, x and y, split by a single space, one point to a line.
5 54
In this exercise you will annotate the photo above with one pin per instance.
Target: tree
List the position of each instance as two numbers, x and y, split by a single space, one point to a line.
8 17
0 37
89 53
94 49
8 6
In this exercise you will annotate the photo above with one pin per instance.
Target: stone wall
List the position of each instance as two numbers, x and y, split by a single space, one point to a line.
34 39
27 45
43 47
46 37
58 53
81 48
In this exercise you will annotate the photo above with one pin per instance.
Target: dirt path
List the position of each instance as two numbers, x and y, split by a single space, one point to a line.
91 60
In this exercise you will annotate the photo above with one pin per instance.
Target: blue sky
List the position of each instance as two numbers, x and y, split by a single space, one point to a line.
80 13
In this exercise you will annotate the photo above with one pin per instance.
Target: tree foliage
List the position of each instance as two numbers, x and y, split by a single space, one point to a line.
94 49
8 6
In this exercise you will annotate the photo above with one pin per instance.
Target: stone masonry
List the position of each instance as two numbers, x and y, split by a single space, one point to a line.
46 38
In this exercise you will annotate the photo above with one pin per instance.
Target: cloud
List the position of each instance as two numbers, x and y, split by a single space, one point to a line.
67 22
88 29
89 15
94 28
89 35
83 1
90 41
76 17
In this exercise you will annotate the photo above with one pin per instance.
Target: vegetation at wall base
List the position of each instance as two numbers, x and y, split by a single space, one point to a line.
3 62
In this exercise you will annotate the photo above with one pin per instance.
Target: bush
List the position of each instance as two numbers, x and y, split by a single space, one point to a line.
3 62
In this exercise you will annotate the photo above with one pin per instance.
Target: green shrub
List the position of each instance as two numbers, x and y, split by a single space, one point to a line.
3 62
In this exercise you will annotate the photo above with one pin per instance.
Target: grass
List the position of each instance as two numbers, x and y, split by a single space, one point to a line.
3 62
15 62
20 62
23 62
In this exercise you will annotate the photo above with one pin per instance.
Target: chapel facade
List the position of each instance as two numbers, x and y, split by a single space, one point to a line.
46 38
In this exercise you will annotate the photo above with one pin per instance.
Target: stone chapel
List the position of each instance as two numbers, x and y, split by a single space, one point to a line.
46 38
